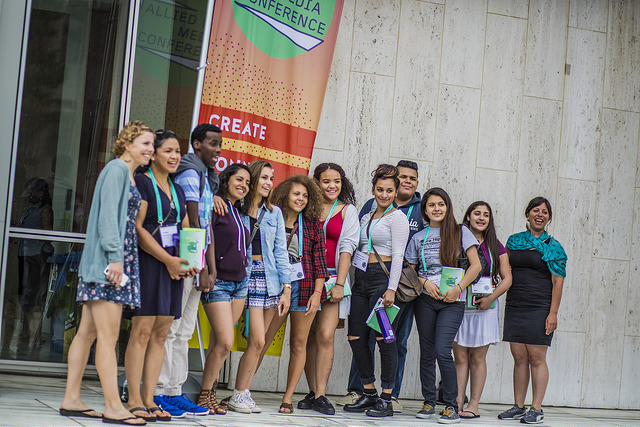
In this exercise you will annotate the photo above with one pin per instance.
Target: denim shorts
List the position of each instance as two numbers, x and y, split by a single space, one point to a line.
226 290
295 298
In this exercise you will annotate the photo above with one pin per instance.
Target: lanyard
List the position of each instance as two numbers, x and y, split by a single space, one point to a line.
300 235
409 211
490 260
208 200
326 221
374 224
424 242
174 196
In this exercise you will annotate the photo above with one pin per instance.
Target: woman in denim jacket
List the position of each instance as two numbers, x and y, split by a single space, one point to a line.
269 278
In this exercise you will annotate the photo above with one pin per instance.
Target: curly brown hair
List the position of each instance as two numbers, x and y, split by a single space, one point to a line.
280 196
127 134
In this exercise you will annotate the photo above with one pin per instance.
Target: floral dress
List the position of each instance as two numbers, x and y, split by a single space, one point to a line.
128 295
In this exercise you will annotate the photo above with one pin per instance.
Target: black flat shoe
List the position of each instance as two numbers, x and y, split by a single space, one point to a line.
381 409
322 405
365 402
307 401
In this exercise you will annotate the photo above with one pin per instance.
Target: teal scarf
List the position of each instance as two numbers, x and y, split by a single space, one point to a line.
552 253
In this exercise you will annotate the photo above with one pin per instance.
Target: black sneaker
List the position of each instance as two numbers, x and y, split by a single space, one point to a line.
307 401
513 413
533 416
365 402
321 404
382 408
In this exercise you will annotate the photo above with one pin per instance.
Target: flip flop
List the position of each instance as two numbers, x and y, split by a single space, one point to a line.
150 419
286 406
122 421
466 411
77 413
155 409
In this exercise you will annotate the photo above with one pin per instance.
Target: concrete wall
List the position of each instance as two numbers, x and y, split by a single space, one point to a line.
502 101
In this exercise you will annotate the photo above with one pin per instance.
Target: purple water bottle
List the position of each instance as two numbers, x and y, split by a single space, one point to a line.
385 326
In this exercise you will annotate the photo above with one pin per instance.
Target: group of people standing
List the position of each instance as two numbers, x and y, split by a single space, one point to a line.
299 250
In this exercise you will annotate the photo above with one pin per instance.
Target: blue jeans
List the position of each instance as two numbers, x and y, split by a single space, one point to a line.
438 324
405 323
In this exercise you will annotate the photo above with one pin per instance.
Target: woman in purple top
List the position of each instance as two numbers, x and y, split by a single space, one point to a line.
480 326
227 262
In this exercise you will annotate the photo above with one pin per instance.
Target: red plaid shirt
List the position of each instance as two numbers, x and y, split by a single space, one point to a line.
314 261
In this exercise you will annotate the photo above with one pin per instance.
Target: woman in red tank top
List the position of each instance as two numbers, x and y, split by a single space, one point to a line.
341 226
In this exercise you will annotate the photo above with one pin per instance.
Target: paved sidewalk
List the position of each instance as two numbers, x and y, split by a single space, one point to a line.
34 401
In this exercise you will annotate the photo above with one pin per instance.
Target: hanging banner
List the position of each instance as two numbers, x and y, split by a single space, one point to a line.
269 63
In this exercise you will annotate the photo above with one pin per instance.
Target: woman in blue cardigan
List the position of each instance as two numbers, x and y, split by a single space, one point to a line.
110 253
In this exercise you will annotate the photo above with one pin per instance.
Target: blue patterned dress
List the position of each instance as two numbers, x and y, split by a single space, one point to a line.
128 295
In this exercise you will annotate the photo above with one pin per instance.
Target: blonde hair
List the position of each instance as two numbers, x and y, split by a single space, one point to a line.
127 134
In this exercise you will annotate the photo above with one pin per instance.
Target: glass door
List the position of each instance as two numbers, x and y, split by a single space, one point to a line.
68 121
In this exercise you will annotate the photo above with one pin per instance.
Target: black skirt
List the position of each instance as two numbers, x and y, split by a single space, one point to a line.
526 326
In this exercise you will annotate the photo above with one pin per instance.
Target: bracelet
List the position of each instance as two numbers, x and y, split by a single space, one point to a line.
287 285
458 285
338 284
315 290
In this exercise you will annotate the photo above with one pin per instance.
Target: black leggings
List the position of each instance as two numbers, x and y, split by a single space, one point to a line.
367 288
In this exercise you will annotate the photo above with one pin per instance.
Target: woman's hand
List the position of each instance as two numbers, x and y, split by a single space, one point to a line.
484 303
452 294
285 301
336 293
313 303
219 206
114 273
174 267
432 289
206 282
388 298
551 323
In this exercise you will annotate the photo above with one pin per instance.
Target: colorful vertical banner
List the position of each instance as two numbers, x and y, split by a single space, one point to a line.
269 63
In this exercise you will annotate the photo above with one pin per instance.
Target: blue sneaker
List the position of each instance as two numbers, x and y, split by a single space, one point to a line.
162 401
186 405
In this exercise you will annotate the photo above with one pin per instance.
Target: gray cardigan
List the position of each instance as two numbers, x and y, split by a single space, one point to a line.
107 222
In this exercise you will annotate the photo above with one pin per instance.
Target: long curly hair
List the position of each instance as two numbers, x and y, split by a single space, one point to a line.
489 235
280 196
347 193
450 233
127 134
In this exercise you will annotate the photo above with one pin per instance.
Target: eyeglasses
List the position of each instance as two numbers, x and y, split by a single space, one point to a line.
161 132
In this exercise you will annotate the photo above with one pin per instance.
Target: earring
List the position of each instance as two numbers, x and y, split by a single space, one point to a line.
528 225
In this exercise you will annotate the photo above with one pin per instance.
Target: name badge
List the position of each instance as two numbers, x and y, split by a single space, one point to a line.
360 260
167 234
297 273
484 286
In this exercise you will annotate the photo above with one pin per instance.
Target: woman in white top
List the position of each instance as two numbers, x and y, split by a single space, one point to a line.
439 312
340 223
386 230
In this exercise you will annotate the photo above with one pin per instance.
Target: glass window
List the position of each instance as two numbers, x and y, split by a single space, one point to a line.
168 47
68 121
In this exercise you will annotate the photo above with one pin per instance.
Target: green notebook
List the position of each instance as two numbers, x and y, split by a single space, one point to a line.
372 320
192 242
449 278
332 281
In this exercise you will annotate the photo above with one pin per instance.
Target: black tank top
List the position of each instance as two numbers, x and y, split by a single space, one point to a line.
532 284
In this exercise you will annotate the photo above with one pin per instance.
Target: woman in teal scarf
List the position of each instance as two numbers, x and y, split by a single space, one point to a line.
538 264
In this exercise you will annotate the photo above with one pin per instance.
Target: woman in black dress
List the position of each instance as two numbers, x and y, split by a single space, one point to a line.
538 264
162 215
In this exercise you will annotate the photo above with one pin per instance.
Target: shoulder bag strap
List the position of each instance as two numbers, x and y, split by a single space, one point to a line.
384 267
256 227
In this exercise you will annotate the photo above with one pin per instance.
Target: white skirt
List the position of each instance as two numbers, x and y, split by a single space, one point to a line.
479 328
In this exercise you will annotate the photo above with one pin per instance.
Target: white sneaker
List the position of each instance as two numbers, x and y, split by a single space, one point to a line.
254 406
240 403
348 399
397 407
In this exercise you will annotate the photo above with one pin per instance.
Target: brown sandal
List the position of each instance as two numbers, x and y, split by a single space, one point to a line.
207 399
284 406
225 402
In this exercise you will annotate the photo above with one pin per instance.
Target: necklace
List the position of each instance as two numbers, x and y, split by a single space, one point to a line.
167 193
